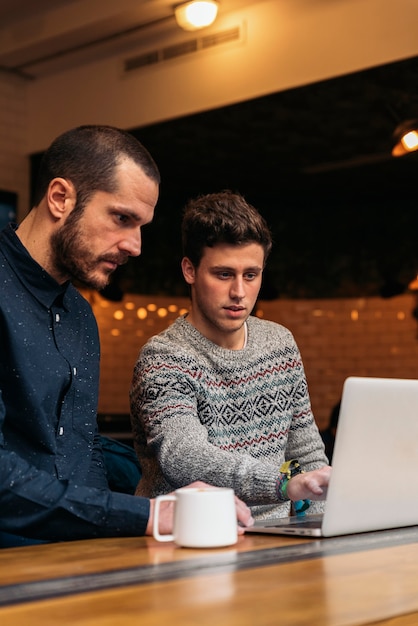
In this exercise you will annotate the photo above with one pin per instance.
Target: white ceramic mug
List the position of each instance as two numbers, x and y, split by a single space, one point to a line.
203 517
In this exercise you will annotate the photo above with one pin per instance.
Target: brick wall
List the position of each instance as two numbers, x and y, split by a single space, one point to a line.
337 338
345 337
14 164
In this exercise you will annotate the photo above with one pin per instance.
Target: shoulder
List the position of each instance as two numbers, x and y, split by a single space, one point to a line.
266 331
168 355
74 298
176 340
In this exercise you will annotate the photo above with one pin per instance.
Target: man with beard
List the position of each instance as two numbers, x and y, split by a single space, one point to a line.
97 187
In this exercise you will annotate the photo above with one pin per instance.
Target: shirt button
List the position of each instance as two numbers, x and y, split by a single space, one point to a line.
57 317
61 431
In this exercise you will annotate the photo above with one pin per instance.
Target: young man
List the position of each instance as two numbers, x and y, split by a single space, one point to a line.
221 396
97 187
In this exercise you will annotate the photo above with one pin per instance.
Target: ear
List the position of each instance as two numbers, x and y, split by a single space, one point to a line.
61 197
188 270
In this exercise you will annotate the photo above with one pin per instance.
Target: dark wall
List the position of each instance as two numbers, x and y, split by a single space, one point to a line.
316 162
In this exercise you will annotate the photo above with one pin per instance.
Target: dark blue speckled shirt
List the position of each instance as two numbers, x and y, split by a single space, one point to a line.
52 478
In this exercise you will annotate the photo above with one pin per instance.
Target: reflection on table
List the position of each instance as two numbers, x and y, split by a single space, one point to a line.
361 579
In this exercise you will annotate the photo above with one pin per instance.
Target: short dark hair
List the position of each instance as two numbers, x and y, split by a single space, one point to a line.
223 217
88 156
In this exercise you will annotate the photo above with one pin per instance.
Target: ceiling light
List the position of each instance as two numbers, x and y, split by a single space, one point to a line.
196 14
406 138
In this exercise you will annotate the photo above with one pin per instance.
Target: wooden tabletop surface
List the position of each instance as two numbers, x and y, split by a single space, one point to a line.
263 580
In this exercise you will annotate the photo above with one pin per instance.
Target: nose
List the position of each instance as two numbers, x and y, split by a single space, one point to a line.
237 288
131 244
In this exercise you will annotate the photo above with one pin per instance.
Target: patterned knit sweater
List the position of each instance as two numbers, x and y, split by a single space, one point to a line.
227 417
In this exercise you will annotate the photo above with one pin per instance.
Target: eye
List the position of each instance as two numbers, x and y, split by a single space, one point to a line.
223 275
121 219
251 275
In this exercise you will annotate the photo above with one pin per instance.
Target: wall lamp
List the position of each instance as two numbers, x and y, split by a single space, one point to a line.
413 288
196 14
406 138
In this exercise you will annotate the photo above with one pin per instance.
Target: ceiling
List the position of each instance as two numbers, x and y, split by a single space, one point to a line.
40 36
318 151
336 124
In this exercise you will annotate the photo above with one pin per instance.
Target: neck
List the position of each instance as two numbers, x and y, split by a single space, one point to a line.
229 340
34 235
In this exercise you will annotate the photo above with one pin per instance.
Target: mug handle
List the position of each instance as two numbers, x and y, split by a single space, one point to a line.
155 531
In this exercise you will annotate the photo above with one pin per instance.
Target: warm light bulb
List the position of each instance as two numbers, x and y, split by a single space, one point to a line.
142 313
196 14
413 285
410 141
406 138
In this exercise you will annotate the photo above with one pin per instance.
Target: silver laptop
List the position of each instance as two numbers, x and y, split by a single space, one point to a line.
374 480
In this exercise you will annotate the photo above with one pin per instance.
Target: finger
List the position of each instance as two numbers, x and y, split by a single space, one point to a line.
243 513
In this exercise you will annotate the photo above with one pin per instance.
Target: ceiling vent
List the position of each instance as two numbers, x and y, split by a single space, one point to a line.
181 49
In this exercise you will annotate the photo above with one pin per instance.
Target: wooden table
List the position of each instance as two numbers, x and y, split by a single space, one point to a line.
263 580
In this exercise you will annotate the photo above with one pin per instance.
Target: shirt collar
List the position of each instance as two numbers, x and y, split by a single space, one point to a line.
36 280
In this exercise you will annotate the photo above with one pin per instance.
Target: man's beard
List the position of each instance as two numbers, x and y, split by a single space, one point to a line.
72 257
